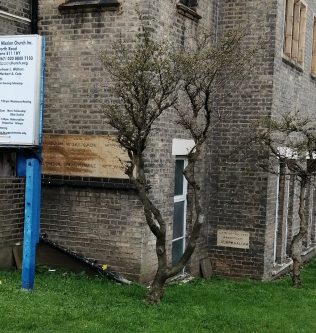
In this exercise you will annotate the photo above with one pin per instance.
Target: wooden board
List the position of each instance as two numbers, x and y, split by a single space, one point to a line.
206 268
83 155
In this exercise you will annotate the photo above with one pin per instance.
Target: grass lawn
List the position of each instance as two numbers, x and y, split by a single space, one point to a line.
80 304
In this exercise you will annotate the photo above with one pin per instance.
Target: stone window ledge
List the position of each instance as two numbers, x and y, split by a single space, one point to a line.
188 12
78 4
291 63
280 269
313 76
88 182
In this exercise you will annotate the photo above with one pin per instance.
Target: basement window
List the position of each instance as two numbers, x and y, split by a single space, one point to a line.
294 33
313 69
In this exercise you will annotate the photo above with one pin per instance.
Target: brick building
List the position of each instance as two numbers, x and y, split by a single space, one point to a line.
250 214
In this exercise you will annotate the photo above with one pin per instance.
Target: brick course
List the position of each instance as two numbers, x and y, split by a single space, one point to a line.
73 105
14 26
12 188
237 187
11 210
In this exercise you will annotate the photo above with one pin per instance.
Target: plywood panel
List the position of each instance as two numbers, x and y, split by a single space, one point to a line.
83 155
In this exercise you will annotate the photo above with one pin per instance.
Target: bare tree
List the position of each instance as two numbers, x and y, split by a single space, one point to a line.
147 81
291 140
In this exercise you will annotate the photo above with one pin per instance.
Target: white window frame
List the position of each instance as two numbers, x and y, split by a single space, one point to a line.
313 224
295 55
181 198
313 63
276 224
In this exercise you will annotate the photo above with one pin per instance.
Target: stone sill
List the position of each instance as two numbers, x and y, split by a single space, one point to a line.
293 64
281 269
88 182
78 4
313 76
188 12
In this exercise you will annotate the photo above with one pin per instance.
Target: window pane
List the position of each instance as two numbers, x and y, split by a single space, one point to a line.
189 3
178 219
178 184
314 49
177 250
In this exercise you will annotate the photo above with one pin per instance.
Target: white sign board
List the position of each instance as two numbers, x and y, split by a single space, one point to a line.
20 81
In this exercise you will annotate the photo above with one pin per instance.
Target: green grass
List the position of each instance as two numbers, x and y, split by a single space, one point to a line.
80 304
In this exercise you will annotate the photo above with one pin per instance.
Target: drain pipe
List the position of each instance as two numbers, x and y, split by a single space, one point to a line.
34 17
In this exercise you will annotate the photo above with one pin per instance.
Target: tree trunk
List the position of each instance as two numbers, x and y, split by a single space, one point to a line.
156 289
296 244
156 224
296 273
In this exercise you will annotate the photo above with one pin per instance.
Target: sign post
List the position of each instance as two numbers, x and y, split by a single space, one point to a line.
21 107
31 221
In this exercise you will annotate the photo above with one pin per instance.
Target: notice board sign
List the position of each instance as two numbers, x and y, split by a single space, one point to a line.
83 155
20 85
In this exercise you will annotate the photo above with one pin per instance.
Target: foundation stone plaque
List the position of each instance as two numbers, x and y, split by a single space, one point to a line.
233 238
83 155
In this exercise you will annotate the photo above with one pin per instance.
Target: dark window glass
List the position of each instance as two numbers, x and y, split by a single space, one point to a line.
178 184
178 220
189 3
177 250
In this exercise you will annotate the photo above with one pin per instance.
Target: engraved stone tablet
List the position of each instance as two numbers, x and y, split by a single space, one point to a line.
233 238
